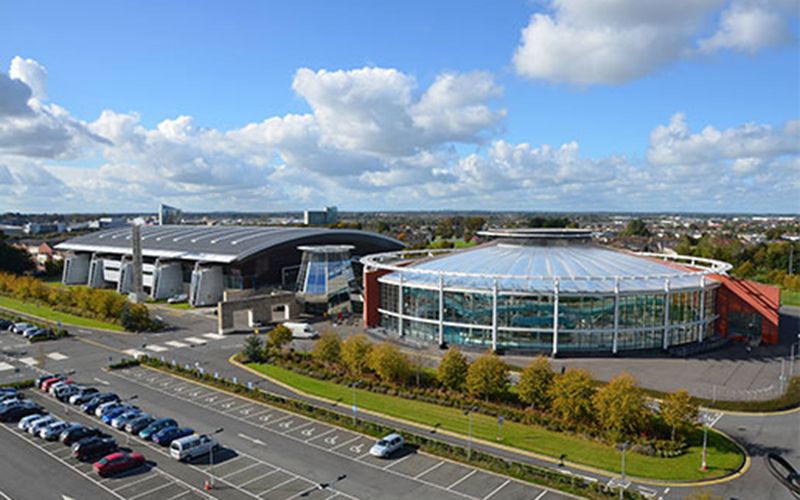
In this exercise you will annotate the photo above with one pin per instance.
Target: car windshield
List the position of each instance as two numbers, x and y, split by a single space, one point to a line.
103 461
383 442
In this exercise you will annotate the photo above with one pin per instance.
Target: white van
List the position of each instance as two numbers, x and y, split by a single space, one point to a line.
301 330
192 447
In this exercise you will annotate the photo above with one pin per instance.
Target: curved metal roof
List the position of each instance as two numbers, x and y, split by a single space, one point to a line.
223 244
580 268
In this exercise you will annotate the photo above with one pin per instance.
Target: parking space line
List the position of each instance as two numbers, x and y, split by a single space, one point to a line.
345 443
182 493
320 435
279 485
300 426
429 469
240 470
123 486
259 477
466 476
543 493
150 491
391 464
276 421
494 491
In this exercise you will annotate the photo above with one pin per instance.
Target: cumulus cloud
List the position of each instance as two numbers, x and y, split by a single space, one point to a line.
588 42
32 74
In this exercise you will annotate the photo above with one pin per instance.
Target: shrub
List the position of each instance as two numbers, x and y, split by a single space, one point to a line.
253 348
452 370
355 353
389 363
487 376
328 348
571 395
136 318
619 406
278 338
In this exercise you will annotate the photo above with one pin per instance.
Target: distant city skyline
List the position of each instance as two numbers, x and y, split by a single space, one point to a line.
568 106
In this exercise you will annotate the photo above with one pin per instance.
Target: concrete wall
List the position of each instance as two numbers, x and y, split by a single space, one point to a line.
207 286
168 280
76 270
260 310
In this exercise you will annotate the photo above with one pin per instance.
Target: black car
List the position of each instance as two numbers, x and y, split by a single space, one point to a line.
136 425
93 447
97 400
5 324
14 412
72 436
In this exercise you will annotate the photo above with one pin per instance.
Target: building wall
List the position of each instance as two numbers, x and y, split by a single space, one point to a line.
744 296
372 297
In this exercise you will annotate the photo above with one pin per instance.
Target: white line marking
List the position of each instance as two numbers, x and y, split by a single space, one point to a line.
491 493
195 340
466 476
258 477
5 366
134 353
123 486
429 469
279 485
395 462
151 491
240 470
251 439
213 336
29 361
57 356
175 343
156 348
100 381
543 493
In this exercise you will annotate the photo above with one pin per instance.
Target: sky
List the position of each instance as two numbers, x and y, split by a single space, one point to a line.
538 105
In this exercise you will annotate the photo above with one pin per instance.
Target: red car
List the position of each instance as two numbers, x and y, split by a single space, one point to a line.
118 462
52 380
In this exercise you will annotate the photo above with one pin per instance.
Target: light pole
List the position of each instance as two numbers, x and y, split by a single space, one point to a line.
211 459
355 408
128 434
704 464
468 414
622 469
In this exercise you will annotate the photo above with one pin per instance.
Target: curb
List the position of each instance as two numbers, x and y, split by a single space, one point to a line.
586 468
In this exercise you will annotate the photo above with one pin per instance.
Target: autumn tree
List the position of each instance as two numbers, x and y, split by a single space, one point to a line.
619 406
678 411
328 348
452 370
487 376
279 337
571 396
534 383
355 353
389 363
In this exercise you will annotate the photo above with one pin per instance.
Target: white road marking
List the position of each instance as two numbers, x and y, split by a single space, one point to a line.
57 356
257 477
156 348
429 469
175 343
134 354
543 493
279 485
195 340
466 476
5 366
151 491
29 361
252 439
494 491
214 336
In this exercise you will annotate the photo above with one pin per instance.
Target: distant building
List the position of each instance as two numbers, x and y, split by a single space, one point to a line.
11 230
107 223
321 217
42 228
169 215
40 251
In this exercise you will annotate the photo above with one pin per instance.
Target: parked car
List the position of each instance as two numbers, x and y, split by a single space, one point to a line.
192 447
39 333
40 380
38 425
387 445
45 387
18 328
28 331
58 385
9 397
64 393
136 425
83 395
73 426
52 431
12 413
121 420
148 432
301 330
93 447
71 436
90 406
112 413
25 422
118 462
8 390
5 324
166 436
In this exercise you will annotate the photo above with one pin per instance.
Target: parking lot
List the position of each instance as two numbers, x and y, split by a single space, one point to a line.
448 478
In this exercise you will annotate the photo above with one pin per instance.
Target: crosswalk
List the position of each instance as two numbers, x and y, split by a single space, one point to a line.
174 344
57 356
5 366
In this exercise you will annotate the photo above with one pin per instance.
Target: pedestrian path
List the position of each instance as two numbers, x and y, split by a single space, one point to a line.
174 344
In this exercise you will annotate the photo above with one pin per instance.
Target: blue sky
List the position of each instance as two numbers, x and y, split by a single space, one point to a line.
599 82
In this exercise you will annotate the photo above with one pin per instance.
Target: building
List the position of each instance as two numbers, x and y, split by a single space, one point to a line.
41 253
321 217
169 215
326 279
555 291
204 261
44 228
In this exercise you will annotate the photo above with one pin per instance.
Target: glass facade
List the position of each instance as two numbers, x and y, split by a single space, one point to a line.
586 323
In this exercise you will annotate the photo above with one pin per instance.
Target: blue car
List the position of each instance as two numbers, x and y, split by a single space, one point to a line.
96 401
151 430
166 436
112 413
121 420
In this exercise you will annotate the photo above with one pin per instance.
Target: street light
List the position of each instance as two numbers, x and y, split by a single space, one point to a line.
128 434
468 414
704 464
622 481
211 459
355 408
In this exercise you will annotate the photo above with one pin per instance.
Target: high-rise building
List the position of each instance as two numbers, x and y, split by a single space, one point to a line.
321 217
169 215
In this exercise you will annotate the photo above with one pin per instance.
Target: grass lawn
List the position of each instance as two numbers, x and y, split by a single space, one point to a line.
184 306
790 298
723 456
47 313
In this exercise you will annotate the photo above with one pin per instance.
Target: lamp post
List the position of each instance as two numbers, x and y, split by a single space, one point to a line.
211 459
468 414
128 434
622 470
355 408
704 464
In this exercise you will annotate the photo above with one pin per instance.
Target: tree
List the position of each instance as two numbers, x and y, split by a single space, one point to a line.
328 348
534 383
452 370
619 406
253 348
136 318
487 376
571 395
389 363
12 259
355 353
678 411
279 337
636 227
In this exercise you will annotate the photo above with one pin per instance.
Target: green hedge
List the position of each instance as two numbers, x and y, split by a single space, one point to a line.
20 384
524 472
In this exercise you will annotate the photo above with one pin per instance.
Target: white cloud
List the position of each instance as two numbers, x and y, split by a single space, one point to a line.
586 42
32 74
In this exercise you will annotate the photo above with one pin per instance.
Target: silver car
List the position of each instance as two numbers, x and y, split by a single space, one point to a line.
38 425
